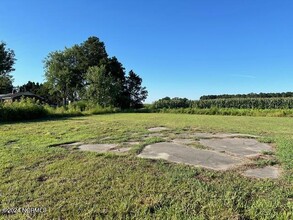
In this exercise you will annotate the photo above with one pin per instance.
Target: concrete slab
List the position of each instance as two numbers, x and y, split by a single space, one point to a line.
157 129
221 135
266 172
100 148
182 154
242 147
244 135
183 141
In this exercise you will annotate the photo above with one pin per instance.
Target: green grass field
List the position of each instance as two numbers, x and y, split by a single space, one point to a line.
71 184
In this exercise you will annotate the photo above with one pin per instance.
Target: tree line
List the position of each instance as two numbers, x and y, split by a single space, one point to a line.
81 72
250 95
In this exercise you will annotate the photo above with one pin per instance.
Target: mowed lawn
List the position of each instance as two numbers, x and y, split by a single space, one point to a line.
71 184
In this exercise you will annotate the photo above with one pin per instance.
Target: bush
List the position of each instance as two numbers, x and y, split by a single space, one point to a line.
81 105
24 109
27 109
100 110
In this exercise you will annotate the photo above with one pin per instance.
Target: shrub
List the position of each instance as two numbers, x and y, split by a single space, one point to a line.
100 110
23 109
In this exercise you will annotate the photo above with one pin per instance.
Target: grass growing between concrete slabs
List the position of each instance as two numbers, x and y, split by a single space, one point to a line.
72 184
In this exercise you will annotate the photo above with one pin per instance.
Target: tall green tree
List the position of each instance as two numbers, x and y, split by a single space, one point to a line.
51 98
65 70
86 71
92 52
43 90
5 85
7 60
103 89
30 87
137 93
59 77
116 71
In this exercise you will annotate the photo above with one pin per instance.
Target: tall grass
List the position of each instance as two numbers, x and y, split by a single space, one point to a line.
27 109
24 109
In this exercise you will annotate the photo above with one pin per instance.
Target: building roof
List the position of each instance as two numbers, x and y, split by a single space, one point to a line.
19 94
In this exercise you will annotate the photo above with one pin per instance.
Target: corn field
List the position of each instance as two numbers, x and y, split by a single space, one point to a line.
237 103
245 103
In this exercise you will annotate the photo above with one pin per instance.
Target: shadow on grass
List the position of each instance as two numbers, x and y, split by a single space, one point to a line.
74 116
53 118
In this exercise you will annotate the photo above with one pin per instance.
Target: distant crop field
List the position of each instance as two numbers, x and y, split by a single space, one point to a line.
64 183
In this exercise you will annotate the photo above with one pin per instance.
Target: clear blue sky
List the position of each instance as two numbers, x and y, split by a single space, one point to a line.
184 48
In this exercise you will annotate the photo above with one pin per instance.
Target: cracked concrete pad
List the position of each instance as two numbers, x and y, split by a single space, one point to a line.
100 148
242 147
222 135
243 135
182 154
157 129
183 141
266 172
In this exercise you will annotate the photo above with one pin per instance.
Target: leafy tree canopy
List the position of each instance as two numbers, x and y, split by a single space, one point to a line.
102 89
137 93
5 85
7 60
30 87
85 71
65 70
